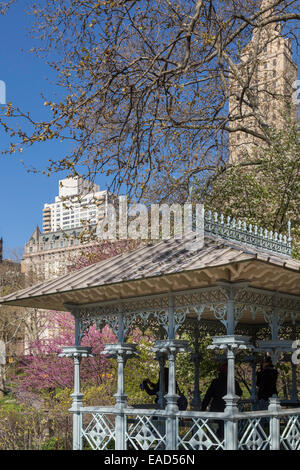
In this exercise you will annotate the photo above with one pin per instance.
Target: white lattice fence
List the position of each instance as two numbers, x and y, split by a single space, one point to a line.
200 434
146 433
194 430
100 431
290 432
254 434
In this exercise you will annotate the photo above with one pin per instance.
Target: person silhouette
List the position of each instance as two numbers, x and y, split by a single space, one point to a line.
154 388
214 396
266 381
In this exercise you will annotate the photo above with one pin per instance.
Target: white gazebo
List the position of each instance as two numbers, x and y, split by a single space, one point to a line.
241 278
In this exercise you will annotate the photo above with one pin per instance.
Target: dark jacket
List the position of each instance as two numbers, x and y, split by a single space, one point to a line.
215 393
266 382
154 389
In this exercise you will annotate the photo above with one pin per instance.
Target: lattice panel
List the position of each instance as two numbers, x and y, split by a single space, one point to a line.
146 433
290 435
200 434
100 432
254 434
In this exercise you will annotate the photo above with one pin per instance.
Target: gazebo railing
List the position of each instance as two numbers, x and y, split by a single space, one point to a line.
98 427
146 429
290 435
200 432
237 230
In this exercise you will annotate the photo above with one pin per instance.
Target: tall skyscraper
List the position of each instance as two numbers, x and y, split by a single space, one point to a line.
268 69
76 210
78 202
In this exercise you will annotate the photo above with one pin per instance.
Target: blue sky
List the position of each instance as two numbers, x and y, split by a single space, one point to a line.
23 194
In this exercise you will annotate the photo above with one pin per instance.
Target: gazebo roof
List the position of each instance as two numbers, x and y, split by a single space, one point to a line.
168 266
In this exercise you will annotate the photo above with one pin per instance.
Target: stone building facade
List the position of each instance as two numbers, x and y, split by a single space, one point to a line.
268 69
48 255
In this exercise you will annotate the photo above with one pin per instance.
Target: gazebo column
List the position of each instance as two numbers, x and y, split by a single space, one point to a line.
120 351
172 397
294 390
121 397
76 352
195 358
170 348
230 344
231 398
274 406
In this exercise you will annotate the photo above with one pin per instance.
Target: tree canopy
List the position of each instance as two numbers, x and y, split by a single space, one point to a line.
145 85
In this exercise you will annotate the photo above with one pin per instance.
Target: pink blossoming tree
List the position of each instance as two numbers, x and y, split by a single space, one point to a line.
41 368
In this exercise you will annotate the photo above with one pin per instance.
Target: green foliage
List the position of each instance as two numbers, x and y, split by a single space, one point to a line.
8 403
185 368
139 369
54 443
262 188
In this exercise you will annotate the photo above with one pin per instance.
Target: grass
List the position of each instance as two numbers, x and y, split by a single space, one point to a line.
9 403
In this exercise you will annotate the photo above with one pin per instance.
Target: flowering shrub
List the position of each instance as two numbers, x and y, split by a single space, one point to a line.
43 369
42 372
